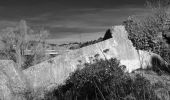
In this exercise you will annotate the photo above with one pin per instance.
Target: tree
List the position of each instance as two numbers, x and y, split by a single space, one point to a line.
39 48
17 40
21 45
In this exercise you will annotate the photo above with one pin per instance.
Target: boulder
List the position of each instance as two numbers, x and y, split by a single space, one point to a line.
55 71
12 81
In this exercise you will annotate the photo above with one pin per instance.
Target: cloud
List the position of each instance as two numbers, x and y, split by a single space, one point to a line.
71 22
81 21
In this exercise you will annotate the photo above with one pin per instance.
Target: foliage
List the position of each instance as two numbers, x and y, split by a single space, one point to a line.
14 40
146 33
39 48
157 3
103 80
18 39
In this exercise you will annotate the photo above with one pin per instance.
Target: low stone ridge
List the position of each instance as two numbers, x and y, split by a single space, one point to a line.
12 81
55 71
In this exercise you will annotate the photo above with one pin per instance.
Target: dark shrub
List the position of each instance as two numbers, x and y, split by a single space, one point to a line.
103 80
107 35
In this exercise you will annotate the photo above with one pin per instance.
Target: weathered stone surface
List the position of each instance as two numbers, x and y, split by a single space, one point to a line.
127 54
56 70
12 81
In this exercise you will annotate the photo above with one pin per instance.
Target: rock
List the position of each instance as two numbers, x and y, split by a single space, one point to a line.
13 83
55 71
127 54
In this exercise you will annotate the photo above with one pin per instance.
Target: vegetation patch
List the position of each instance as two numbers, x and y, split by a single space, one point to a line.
103 80
149 32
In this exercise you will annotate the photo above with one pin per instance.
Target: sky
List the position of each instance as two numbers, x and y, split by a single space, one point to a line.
70 20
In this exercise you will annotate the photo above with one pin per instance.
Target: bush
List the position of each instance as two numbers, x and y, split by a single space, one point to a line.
103 80
107 35
146 32
18 40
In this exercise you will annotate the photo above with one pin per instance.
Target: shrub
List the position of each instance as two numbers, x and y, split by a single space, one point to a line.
107 35
18 40
103 80
146 32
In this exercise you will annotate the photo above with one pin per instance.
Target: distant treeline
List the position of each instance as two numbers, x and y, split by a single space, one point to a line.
77 45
